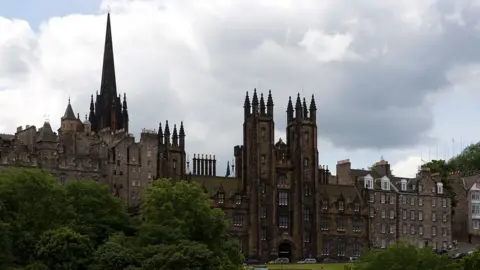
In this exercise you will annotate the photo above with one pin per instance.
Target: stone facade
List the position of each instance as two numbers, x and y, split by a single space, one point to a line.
279 200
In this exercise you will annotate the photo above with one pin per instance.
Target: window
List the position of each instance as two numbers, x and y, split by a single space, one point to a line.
283 198
412 229
263 187
434 216
383 227
404 228
420 188
372 212
434 202
404 214
392 199
476 224
324 204
383 213
307 237
444 217
420 201
385 184
444 203
434 231
476 196
392 229
262 132
326 249
264 234
357 225
404 185
357 206
371 197
392 214
306 190
237 220
420 230
238 199
412 214
133 159
341 249
263 212
384 243
444 231
412 201
149 153
404 199
283 222
356 249
174 164
324 223
382 198
475 209
341 205
340 224
440 188
220 198
305 162
264 158
281 180
306 214
368 181
420 215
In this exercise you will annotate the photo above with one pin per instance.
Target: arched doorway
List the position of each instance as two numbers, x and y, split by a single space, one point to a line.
285 251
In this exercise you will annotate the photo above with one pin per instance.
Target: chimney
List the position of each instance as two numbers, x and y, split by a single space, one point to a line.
202 166
214 166
194 161
382 168
343 172
210 165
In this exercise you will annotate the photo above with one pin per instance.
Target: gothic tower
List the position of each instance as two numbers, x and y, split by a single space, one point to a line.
108 111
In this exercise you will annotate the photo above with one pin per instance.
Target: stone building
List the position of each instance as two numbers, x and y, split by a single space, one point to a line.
279 200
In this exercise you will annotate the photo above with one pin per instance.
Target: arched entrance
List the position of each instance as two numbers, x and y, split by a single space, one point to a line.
285 251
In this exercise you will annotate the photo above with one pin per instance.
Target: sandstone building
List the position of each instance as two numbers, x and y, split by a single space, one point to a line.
279 200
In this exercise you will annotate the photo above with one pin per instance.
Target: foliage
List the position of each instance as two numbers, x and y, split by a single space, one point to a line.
45 225
403 256
472 262
64 248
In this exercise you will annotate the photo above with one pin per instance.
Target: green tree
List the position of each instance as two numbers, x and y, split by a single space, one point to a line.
64 249
472 262
32 202
97 213
115 256
403 256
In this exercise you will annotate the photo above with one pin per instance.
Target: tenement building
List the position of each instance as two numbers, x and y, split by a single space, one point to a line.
279 200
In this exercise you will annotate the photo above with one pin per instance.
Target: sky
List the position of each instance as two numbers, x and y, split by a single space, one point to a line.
392 79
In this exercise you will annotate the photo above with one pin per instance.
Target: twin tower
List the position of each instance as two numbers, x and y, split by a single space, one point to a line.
302 112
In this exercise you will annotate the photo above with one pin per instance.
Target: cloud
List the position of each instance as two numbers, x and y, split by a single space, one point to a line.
371 65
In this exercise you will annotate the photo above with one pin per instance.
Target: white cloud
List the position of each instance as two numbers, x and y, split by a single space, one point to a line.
194 60
408 167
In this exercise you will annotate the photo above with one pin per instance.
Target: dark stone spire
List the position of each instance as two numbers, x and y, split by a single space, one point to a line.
270 103
91 115
125 112
109 85
167 133
262 105
313 109
78 116
298 108
160 134
255 98
227 173
305 109
246 105
175 135
182 130
124 102
290 109
69 114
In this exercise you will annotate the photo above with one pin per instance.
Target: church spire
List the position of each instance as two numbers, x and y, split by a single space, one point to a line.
108 86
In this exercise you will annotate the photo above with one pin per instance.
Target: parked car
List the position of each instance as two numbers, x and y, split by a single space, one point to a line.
440 251
251 262
280 261
458 256
308 260
329 260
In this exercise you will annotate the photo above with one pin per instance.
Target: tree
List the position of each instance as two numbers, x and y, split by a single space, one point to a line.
403 256
32 202
97 213
114 256
64 249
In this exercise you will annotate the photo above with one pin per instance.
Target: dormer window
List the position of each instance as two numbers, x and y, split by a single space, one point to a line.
221 198
385 183
368 181
440 188
238 199
341 205
403 185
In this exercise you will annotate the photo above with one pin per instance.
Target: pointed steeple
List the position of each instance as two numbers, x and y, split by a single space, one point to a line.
313 109
124 102
109 85
182 130
227 173
262 105
125 113
69 114
290 109
298 108
246 105
167 133
305 109
91 115
270 103
160 134
175 135
255 98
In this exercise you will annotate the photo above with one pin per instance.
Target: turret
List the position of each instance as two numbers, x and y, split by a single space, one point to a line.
160 134
246 106
255 103
305 109
91 115
125 113
69 121
313 110
270 104
298 108
262 105
290 110
175 136
167 134
87 126
182 136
